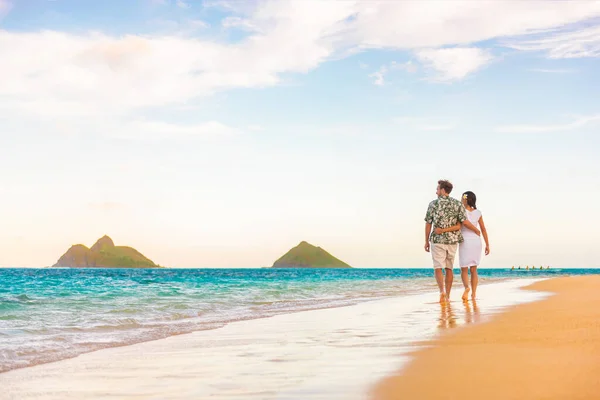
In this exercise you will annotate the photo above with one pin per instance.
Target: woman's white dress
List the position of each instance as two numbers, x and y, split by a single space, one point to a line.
469 251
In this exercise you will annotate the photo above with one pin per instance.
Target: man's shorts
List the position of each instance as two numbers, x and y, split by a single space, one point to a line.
443 255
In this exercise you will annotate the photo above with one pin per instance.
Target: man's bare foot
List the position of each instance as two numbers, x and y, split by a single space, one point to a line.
443 298
465 295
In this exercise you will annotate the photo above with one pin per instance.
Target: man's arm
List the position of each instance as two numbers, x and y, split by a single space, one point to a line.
428 223
427 233
472 227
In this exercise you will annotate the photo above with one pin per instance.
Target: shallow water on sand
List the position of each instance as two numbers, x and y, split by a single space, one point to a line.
52 314
335 353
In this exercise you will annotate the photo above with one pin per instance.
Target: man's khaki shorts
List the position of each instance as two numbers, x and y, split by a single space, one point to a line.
443 255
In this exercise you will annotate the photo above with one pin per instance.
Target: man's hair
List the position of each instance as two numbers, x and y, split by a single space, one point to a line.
446 185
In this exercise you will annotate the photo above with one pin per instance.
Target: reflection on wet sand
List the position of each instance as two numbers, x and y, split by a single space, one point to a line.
449 318
472 313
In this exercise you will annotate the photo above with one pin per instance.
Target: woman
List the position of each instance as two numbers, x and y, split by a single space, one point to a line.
469 251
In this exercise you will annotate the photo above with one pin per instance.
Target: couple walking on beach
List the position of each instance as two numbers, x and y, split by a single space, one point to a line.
452 225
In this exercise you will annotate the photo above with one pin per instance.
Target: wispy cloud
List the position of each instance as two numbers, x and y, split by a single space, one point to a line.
180 27
577 123
177 3
553 71
573 43
237 22
182 4
453 64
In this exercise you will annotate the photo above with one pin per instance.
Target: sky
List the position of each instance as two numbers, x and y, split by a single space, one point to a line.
221 134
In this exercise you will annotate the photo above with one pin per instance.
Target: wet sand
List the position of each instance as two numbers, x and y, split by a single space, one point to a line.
544 350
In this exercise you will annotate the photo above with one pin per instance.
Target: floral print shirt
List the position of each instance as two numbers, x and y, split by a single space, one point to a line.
444 213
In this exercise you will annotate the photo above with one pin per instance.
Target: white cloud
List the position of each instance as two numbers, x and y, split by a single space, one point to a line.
379 75
237 22
418 24
182 4
5 7
95 73
454 63
573 43
179 27
578 122
53 73
553 71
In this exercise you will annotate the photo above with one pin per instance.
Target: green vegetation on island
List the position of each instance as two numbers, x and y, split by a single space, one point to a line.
104 254
306 255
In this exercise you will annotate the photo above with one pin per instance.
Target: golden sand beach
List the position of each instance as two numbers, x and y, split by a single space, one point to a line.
544 350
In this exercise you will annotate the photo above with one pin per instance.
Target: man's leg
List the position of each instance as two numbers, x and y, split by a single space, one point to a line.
449 280
439 278
464 274
438 254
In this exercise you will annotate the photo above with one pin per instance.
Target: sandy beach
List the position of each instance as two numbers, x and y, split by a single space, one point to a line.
543 350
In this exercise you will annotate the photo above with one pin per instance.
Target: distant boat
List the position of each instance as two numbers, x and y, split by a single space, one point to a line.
527 268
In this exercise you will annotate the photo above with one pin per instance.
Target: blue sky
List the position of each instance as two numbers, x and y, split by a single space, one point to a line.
221 134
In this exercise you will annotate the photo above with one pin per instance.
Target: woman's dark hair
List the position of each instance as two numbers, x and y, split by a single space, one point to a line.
471 199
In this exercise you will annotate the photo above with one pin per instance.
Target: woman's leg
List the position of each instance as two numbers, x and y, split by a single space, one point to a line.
464 274
474 280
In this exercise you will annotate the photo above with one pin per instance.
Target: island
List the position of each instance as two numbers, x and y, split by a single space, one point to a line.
306 255
104 254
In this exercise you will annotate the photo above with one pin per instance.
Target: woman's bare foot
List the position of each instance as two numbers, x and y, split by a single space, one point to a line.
473 295
465 295
443 298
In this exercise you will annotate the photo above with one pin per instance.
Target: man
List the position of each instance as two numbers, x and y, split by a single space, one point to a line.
444 212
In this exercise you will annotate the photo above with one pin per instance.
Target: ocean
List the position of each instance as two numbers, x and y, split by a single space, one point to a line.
53 314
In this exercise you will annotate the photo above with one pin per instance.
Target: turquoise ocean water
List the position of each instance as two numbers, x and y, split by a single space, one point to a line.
52 314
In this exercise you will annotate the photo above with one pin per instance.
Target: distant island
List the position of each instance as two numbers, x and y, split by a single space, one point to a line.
306 255
104 254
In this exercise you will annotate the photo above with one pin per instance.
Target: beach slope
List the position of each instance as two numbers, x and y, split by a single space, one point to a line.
544 350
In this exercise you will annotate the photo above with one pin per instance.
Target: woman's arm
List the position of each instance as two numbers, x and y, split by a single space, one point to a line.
485 236
439 231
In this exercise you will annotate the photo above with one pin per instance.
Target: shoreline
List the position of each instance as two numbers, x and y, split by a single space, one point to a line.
547 349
